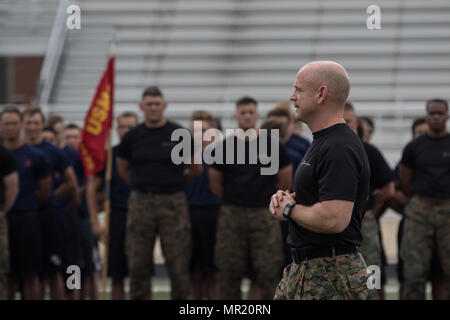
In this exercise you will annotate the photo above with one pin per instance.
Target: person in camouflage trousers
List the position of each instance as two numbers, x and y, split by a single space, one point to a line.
371 246
381 189
425 178
243 230
331 188
157 204
167 215
343 277
426 220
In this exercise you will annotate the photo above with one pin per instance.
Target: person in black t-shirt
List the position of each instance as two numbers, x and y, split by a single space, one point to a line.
398 203
56 122
366 128
51 213
119 193
381 190
23 223
49 135
245 188
9 189
425 178
157 202
81 240
331 187
204 211
8 180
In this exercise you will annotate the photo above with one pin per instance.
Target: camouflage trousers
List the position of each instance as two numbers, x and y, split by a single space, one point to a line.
427 221
4 257
371 247
247 230
343 277
167 215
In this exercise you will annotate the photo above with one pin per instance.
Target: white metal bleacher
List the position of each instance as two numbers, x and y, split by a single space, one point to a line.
25 26
207 53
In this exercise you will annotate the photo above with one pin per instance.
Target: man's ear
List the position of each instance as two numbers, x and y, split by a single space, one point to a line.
323 93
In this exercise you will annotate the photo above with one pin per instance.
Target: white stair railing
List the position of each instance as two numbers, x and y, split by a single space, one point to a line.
52 55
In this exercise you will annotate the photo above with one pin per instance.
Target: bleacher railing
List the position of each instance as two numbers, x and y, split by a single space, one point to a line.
52 55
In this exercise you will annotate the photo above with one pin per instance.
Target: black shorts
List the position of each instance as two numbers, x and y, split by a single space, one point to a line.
25 243
382 254
117 260
204 229
87 243
250 272
400 275
53 241
72 255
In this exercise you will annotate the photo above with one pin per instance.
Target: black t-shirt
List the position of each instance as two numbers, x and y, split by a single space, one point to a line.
149 152
380 172
334 168
32 166
244 184
8 166
430 159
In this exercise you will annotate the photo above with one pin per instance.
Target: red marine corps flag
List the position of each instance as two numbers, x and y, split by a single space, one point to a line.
97 124
95 140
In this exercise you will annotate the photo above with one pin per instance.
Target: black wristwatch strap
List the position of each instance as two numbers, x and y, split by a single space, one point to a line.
287 210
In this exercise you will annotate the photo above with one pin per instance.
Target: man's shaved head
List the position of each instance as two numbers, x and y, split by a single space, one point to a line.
320 91
329 74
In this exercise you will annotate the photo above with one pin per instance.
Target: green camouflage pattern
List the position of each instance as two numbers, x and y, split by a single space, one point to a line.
426 220
4 257
343 277
240 231
371 247
166 215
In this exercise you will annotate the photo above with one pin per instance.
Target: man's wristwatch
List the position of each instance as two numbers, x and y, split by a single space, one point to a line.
287 210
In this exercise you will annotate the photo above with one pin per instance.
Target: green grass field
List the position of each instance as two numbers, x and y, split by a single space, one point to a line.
161 289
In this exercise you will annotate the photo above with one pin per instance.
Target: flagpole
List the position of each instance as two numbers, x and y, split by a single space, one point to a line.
108 173
107 203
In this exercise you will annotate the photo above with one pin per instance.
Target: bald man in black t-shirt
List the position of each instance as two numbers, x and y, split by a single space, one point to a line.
331 188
